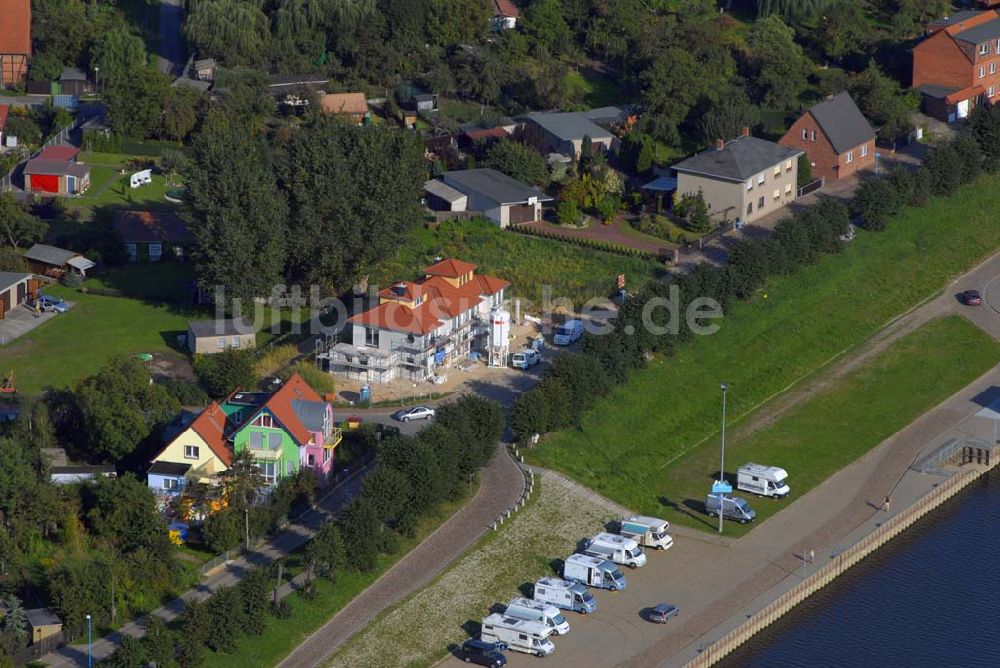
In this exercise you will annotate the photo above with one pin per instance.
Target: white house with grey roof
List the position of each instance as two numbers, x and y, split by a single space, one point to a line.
498 197
564 132
205 337
741 179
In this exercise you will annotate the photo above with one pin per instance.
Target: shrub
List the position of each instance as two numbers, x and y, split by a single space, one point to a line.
282 609
274 360
568 213
221 373
318 380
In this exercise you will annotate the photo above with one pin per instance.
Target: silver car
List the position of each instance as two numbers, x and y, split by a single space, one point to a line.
48 303
414 413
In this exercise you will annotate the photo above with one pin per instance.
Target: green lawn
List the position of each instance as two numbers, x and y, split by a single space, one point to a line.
108 187
823 435
284 635
158 281
801 322
529 263
76 343
591 89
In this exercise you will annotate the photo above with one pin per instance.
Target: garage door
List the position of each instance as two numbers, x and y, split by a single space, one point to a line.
4 304
45 183
522 213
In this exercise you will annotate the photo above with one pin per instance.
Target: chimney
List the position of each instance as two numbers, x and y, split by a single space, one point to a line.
745 132
720 144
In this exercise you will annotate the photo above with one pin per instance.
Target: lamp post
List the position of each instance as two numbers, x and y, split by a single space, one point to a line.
90 644
877 157
722 457
246 523
97 80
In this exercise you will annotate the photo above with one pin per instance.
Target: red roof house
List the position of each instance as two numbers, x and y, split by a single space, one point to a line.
15 40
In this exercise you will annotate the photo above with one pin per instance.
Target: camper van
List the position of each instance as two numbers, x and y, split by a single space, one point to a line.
762 480
733 508
535 611
569 332
565 595
619 549
517 634
593 571
525 359
647 531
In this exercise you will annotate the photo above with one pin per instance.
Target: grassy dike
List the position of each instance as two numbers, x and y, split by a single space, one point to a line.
630 444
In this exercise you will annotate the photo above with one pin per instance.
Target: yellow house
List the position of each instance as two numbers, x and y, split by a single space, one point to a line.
196 455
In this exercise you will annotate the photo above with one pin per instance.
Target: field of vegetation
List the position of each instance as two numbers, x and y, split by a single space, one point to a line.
789 331
528 263
418 631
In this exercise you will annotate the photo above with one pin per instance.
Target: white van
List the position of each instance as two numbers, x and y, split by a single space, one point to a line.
648 531
518 634
536 611
525 359
762 480
569 332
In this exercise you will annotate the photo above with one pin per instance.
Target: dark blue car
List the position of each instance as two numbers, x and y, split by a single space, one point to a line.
484 653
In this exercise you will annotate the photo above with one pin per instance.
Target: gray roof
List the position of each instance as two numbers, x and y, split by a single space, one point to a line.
49 255
739 160
424 97
842 122
980 33
204 63
9 278
72 74
494 185
168 468
606 114
936 91
42 617
224 327
569 125
310 413
957 17
443 190
81 469
665 184
49 167
197 84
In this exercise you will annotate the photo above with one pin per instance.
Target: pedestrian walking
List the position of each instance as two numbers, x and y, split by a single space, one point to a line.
885 504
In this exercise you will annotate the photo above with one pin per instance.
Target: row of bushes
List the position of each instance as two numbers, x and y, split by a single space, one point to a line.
586 242
101 141
816 231
412 475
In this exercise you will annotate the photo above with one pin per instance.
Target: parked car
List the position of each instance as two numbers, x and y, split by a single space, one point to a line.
662 613
972 298
48 303
414 413
484 653
733 508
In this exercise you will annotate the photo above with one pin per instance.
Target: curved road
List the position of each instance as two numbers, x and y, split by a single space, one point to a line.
501 487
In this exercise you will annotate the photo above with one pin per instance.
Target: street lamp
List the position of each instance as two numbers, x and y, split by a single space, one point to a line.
90 645
97 79
877 157
722 457
246 521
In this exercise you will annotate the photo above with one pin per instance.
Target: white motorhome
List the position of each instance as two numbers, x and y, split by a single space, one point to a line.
593 571
536 611
518 634
618 549
565 595
762 480
647 531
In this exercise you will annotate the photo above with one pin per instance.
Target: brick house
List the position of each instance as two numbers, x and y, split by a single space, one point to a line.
956 66
836 136
15 41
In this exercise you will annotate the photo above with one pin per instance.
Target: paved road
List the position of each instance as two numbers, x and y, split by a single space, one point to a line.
170 56
502 485
282 544
719 582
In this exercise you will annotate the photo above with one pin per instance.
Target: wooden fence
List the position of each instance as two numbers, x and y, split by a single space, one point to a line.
834 568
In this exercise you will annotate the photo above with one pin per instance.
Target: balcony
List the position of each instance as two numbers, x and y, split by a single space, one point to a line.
265 454
334 439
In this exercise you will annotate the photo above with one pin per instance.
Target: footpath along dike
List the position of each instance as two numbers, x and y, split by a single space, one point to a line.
839 564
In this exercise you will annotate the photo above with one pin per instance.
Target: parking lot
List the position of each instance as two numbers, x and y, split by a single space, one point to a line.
20 320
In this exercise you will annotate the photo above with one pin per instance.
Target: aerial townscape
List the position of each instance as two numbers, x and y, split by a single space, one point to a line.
596 333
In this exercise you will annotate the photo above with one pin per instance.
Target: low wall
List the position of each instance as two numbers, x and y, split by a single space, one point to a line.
834 568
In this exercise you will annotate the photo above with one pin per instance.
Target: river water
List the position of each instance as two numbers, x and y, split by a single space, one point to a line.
930 597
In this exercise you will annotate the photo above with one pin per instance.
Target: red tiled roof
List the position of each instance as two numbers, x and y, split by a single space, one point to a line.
62 152
211 426
280 405
450 268
450 300
150 226
15 27
408 291
505 8
3 115
490 285
399 318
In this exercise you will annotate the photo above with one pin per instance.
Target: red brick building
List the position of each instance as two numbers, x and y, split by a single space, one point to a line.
958 65
836 136
15 40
